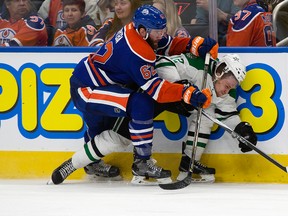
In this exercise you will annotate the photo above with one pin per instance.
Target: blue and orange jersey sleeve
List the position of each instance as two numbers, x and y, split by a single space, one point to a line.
163 91
173 46
179 45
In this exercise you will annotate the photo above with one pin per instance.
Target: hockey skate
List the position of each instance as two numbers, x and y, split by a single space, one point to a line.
62 172
99 170
201 173
146 172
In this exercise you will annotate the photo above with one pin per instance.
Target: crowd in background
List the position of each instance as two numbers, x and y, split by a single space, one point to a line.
86 22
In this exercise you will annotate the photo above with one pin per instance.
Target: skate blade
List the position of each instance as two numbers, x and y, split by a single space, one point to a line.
50 182
142 180
202 178
207 178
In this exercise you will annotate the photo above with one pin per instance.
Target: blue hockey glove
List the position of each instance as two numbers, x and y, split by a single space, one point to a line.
192 95
201 46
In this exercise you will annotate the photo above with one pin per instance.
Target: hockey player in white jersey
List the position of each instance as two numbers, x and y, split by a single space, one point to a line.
224 75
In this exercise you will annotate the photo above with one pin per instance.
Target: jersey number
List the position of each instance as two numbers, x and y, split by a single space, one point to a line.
104 58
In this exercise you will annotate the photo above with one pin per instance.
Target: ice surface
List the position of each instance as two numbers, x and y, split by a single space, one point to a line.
83 198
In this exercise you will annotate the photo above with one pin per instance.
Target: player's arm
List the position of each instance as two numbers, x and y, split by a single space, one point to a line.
99 37
227 112
163 91
198 46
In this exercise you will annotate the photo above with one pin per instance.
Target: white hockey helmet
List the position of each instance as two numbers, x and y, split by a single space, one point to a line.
231 62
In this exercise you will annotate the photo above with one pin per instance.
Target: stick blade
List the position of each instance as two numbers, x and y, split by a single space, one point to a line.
177 185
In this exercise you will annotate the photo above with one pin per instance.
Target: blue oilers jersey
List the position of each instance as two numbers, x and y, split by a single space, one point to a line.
128 59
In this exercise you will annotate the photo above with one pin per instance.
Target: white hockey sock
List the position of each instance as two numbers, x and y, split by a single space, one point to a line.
81 159
105 143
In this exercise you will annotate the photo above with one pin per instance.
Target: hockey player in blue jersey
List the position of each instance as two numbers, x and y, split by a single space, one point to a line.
224 76
99 89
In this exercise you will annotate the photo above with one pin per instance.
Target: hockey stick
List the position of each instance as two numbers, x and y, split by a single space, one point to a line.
188 179
245 141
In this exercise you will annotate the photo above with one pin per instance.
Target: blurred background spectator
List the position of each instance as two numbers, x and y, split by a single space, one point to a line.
124 11
186 10
194 15
225 10
252 25
79 28
52 12
20 25
174 23
105 10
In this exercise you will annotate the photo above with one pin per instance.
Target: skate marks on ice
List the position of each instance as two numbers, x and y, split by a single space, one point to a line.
76 198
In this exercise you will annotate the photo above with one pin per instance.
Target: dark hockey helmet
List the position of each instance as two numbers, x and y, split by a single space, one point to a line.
149 17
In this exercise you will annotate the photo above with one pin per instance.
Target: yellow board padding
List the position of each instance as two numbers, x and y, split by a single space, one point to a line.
229 167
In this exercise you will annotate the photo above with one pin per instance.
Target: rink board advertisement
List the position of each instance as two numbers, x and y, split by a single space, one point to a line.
39 124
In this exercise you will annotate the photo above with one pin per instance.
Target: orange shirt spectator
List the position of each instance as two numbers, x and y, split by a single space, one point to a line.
19 26
79 29
124 10
251 26
52 12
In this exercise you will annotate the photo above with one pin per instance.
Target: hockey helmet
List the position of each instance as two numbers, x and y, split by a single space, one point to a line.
149 17
232 63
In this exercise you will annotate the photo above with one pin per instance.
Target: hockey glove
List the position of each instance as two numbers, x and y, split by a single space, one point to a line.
192 95
245 130
201 46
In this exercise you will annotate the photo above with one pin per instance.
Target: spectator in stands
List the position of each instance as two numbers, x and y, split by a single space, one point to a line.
124 11
21 26
105 10
186 10
225 10
79 28
174 24
252 25
52 12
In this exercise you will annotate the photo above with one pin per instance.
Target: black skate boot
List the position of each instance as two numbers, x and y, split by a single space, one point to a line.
206 173
62 172
143 170
100 168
